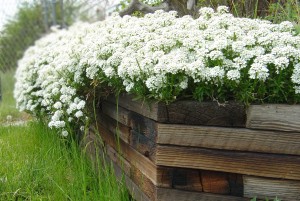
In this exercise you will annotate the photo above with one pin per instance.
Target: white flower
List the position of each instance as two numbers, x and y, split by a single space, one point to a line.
258 71
57 105
79 114
64 133
233 75
148 50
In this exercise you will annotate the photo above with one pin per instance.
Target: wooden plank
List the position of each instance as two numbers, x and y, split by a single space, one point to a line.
263 187
138 141
143 145
135 121
215 182
116 128
186 179
274 117
119 160
236 184
187 112
118 113
134 189
141 180
152 110
267 165
95 149
229 138
165 194
231 114
146 166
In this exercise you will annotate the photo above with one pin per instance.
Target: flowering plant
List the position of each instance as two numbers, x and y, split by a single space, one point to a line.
216 56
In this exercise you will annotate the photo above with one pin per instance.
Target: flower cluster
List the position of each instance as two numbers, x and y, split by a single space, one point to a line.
161 56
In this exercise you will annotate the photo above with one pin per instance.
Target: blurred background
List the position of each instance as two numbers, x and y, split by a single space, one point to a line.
22 22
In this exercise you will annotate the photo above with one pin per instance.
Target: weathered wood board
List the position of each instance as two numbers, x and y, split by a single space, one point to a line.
152 110
165 194
239 139
133 120
267 165
262 188
231 114
138 141
92 147
204 151
215 182
141 162
116 128
274 117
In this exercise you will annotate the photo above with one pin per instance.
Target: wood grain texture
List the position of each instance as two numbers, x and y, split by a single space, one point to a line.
133 188
118 113
187 179
119 160
165 194
185 112
285 190
152 110
274 117
136 159
118 129
215 182
138 141
143 145
206 113
135 121
92 146
257 164
143 182
240 139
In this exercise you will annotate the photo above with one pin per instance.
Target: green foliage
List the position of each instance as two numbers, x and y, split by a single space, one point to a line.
275 11
20 33
8 103
36 164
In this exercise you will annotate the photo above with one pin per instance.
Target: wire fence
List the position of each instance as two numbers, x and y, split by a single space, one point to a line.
22 22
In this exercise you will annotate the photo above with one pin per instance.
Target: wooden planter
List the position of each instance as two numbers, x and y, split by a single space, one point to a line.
192 151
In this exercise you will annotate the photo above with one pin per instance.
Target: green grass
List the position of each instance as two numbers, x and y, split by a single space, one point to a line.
8 103
37 164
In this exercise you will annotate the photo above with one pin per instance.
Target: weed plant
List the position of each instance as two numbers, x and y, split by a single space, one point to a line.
36 164
8 103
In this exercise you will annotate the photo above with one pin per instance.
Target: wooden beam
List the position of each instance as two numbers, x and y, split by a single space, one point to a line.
189 112
118 113
231 114
187 179
274 117
118 129
140 142
152 110
135 121
229 138
266 165
136 159
121 169
165 194
270 188
215 182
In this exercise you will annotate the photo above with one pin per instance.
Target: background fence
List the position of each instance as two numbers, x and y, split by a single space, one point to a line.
22 22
